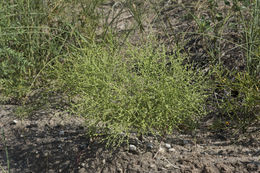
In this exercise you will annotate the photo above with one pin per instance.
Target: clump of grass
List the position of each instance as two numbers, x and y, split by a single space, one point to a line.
27 44
33 33
141 90
238 56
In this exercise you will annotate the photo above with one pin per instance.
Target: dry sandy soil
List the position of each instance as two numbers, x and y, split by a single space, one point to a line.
52 141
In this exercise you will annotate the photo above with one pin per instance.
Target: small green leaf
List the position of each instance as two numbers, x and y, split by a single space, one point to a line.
219 16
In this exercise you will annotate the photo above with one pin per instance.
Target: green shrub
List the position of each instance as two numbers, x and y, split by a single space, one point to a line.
140 90
239 99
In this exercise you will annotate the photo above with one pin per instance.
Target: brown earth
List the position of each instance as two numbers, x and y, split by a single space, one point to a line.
55 142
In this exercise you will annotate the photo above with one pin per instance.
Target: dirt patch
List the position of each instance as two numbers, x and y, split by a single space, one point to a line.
55 142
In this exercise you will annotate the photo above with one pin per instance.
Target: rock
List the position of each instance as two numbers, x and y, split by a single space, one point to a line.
60 146
153 166
132 148
61 133
46 154
171 150
185 142
168 146
149 146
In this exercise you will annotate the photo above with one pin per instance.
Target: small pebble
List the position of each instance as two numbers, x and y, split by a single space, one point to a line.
168 146
46 154
61 132
15 121
82 146
172 150
149 146
152 166
51 171
185 142
60 146
132 147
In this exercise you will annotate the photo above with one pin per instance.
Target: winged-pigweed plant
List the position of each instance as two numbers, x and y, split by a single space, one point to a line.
139 90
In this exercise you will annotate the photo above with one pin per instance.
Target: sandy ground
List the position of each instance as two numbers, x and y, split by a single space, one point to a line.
55 142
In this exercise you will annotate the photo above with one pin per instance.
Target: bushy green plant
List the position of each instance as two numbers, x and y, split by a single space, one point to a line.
239 99
140 90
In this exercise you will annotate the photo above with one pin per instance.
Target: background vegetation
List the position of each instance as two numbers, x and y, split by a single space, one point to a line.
121 82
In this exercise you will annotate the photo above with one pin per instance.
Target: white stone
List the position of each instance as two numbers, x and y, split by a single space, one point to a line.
168 146
172 150
132 147
61 132
153 166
